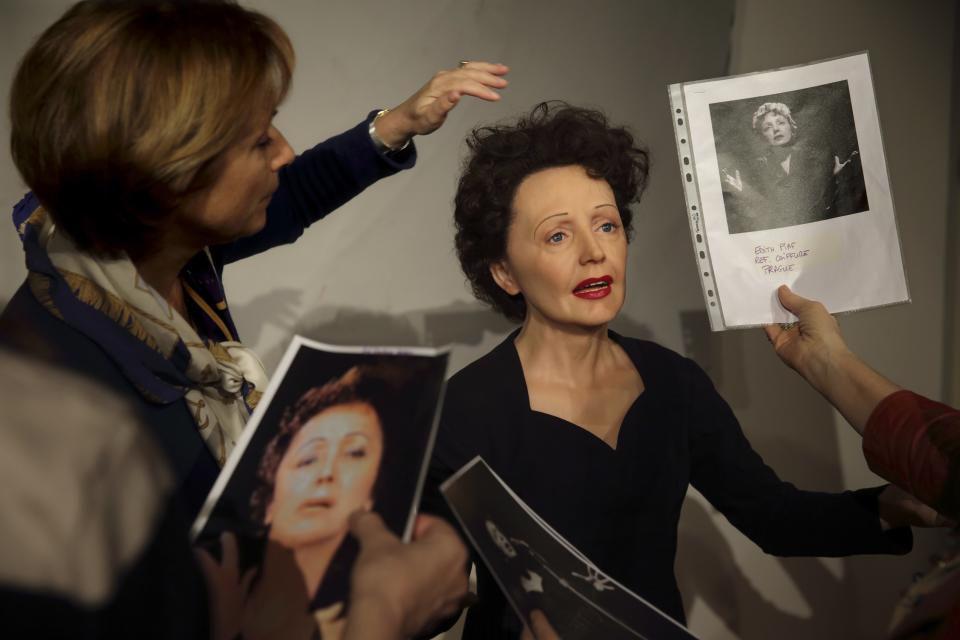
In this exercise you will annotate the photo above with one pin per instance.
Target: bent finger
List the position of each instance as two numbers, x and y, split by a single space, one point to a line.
425 522
228 548
495 68
208 566
541 626
773 332
435 113
368 528
483 77
467 86
247 580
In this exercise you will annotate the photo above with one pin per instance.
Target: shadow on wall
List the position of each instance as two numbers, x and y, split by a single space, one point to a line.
278 307
707 570
627 326
458 324
720 355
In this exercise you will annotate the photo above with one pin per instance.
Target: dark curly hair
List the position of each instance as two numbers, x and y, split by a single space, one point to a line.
553 134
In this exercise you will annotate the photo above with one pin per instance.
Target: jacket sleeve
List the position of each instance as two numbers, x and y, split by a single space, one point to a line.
782 519
914 442
314 184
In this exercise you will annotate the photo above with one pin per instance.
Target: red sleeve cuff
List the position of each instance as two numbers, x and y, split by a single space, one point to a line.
914 442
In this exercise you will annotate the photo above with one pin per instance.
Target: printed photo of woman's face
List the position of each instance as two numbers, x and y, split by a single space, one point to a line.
326 473
776 129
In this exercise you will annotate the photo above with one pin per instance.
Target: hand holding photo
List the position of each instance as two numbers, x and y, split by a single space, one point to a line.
339 430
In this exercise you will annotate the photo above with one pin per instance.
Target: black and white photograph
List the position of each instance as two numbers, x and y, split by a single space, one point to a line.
789 158
540 573
341 430
786 183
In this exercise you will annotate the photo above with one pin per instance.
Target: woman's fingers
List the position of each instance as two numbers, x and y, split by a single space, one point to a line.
424 523
368 528
230 557
426 110
493 68
773 332
436 111
477 90
442 99
208 566
247 580
423 581
539 628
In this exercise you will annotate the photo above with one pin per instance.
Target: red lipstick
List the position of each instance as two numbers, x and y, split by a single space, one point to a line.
594 288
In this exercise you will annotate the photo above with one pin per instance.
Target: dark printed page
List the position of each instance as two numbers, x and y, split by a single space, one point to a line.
538 570
339 429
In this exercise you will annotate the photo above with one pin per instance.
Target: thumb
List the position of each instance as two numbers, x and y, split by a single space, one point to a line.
791 301
423 524
443 105
368 528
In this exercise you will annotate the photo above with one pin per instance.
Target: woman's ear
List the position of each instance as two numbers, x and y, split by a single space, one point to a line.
504 278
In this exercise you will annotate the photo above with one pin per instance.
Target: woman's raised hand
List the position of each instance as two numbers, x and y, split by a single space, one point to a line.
838 166
426 110
733 180
814 348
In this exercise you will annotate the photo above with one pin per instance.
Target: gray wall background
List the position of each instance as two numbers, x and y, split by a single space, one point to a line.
382 269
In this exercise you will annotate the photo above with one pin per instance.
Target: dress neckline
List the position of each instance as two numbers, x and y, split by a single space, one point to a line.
524 392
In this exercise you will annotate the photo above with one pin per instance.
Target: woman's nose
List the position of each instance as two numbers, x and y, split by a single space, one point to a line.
591 250
283 154
327 467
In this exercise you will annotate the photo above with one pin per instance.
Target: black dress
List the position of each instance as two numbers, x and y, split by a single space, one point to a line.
620 507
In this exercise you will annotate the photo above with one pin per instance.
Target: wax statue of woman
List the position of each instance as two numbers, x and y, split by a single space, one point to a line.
144 130
601 434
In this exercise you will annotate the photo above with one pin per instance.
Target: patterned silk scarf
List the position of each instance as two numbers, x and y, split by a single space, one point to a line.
158 350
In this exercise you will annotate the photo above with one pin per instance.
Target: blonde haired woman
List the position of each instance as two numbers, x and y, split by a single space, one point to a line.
145 133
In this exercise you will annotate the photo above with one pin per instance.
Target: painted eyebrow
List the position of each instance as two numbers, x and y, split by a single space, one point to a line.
312 442
597 212
564 213
552 215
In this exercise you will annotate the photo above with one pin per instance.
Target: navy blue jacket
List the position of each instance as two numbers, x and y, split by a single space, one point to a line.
316 183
